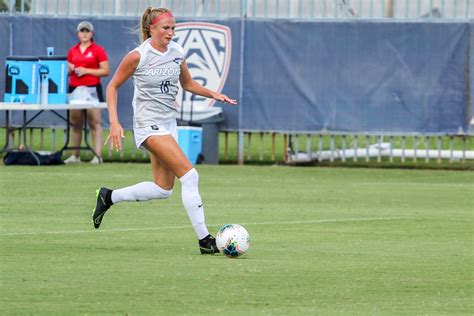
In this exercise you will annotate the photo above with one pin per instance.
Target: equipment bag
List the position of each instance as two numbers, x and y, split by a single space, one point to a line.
32 158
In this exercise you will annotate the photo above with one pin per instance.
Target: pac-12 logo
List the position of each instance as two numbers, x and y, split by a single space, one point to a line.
208 52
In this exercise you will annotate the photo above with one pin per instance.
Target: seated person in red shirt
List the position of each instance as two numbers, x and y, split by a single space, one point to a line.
87 62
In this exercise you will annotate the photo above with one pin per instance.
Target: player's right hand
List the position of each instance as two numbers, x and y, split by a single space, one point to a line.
116 134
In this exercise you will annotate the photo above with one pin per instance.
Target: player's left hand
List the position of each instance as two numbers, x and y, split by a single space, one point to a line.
224 98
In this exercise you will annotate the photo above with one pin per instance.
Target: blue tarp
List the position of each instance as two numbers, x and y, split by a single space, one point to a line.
356 76
471 68
340 76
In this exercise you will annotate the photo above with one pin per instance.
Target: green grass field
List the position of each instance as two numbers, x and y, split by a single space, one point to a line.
324 241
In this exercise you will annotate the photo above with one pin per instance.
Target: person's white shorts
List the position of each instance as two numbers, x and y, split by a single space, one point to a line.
142 133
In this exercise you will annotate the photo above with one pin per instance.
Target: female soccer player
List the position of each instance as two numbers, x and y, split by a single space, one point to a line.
156 66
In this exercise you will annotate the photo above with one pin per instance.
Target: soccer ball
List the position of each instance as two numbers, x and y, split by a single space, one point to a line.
233 240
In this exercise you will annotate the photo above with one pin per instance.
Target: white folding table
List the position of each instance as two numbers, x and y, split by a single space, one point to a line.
54 108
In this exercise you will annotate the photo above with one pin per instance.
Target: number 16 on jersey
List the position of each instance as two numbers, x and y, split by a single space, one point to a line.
164 87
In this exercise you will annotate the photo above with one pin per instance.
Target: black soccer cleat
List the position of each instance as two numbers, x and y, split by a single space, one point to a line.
208 246
102 205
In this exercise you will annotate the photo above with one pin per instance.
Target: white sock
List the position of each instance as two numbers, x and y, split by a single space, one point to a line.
142 191
192 202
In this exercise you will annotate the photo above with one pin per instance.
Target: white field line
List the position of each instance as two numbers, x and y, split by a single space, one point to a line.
417 184
321 221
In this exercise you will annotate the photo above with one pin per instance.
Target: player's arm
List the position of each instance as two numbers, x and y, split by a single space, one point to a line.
125 70
194 87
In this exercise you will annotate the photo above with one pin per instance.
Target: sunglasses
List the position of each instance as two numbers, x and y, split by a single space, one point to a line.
84 30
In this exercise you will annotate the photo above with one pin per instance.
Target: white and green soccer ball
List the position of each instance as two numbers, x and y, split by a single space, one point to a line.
233 240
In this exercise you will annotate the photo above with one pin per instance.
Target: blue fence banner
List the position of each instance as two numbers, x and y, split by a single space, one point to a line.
471 69
294 76
356 77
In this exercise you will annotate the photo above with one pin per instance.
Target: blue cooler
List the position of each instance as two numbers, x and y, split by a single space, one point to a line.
190 141
21 79
53 78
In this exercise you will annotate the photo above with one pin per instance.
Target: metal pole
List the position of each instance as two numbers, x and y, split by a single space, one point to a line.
403 148
343 148
11 6
249 149
297 143
451 149
455 6
102 10
331 148
427 148
308 146
243 9
391 149
356 145
390 9
379 153
439 142
367 148
240 150
415 148
11 38
466 9
320 147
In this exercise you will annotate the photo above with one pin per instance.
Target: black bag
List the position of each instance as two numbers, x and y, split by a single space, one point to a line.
32 158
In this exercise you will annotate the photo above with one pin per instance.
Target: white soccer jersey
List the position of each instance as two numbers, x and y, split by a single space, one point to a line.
156 82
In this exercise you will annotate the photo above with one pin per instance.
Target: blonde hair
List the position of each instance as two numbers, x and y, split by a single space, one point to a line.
147 18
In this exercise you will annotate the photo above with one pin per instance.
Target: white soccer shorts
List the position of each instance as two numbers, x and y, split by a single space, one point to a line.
167 128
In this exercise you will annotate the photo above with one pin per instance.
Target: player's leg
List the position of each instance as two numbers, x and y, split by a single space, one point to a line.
161 188
76 120
169 154
162 176
167 151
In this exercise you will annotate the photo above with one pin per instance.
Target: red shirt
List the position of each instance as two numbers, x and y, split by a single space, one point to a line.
90 58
